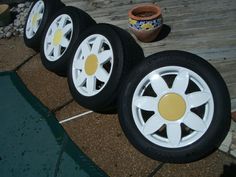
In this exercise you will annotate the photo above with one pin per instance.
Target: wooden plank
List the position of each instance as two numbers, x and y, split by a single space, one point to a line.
206 28
228 72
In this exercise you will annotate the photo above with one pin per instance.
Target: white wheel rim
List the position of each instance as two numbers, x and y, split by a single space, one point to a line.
35 19
88 79
58 37
156 127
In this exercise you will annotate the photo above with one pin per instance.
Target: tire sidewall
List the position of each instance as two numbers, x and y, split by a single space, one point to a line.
60 66
97 101
50 8
218 127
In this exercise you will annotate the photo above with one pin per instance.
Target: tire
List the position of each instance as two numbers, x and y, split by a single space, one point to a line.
44 9
123 53
196 95
56 43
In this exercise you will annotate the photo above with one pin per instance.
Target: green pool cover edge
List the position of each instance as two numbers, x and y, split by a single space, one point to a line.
67 145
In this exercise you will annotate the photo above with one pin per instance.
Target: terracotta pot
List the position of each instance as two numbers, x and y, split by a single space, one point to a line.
5 16
145 21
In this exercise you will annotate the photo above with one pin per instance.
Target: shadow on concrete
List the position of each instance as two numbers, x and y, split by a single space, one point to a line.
165 31
229 170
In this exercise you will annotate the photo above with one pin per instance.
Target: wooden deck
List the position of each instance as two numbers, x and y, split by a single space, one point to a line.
204 27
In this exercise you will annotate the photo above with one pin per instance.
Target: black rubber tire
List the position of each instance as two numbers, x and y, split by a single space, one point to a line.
51 6
81 21
218 128
127 53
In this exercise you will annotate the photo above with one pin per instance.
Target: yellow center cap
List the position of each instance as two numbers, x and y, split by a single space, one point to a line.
34 19
57 37
172 107
91 64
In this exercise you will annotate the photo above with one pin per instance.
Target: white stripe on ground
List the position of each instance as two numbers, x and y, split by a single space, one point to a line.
233 110
75 117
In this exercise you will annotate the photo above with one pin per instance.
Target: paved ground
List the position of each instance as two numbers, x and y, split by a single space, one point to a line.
100 136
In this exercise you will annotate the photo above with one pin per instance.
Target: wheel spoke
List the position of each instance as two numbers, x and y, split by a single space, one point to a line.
29 21
194 122
102 74
196 99
90 84
35 28
41 7
31 32
152 125
49 38
77 64
28 28
62 22
181 82
53 27
174 133
49 49
32 12
56 51
67 28
80 78
104 56
158 84
97 44
146 103
40 16
65 42
86 49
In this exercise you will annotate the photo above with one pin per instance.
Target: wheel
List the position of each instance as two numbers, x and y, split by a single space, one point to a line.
102 58
60 34
175 107
38 16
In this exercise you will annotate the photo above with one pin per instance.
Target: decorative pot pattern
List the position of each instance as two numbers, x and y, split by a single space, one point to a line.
145 24
145 21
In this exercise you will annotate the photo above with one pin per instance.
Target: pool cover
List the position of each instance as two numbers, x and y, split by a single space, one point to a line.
32 142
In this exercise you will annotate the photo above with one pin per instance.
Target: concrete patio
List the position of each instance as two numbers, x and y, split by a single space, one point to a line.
206 28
